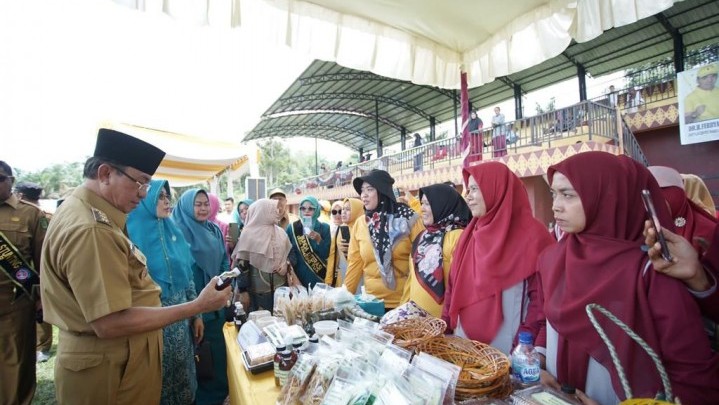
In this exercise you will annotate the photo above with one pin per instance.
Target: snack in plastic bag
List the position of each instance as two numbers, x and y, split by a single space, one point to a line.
297 380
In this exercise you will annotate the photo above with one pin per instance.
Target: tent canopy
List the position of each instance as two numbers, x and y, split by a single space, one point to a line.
423 41
189 159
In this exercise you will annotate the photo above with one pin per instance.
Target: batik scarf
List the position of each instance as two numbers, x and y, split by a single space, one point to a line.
450 212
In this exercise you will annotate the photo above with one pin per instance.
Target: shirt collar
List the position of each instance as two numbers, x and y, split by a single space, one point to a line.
116 216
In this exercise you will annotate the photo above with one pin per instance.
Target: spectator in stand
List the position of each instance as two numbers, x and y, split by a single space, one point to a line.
445 214
499 138
599 260
419 156
192 215
612 96
381 244
475 126
489 281
169 262
226 215
352 209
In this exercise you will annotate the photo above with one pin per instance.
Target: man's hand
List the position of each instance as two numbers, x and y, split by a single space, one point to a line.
685 264
210 299
344 247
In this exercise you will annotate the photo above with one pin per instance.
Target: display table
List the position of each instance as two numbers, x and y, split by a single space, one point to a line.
246 388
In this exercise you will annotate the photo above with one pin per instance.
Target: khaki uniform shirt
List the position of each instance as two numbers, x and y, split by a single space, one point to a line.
24 225
91 269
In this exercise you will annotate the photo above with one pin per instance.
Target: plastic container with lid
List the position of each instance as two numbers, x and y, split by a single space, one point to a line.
325 328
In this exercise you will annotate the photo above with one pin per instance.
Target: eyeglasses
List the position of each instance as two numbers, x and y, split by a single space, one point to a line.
141 187
307 208
3 178
165 196
336 212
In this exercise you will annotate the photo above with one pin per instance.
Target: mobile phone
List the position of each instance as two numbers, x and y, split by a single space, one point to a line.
345 231
396 191
649 206
234 231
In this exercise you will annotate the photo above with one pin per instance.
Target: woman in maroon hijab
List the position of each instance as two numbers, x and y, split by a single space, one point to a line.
690 221
497 253
597 203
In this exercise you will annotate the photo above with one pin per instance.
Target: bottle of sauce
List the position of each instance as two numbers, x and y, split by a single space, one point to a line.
286 363
277 360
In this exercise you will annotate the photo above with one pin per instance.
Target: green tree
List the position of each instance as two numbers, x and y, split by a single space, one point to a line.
548 108
56 179
274 162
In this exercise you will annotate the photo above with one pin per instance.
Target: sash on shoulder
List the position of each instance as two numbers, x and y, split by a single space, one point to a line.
17 269
317 265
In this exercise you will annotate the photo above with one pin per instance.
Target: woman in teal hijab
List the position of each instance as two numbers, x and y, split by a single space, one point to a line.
310 240
208 251
169 263
240 214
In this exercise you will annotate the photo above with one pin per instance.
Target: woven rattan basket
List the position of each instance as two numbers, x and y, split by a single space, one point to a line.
410 333
485 370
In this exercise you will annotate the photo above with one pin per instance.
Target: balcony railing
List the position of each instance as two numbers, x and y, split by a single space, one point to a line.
586 121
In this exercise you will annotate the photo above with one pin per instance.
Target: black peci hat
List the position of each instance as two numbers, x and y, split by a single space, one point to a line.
379 179
127 150
30 190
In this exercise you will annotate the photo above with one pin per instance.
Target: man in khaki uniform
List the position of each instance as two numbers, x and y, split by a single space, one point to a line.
30 192
96 288
24 227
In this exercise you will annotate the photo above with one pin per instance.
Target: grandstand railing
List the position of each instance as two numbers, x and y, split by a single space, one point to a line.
586 121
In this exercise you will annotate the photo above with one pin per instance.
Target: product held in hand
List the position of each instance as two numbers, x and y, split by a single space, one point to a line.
225 279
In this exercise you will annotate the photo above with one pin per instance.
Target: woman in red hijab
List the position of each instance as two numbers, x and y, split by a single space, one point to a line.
597 203
485 298
690 221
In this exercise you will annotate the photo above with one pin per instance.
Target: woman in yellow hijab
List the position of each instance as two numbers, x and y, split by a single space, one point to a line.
352 208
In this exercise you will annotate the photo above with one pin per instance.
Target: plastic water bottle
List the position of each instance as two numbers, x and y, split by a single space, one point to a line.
525 361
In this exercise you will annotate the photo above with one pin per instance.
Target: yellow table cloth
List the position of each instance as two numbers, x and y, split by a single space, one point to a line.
246 388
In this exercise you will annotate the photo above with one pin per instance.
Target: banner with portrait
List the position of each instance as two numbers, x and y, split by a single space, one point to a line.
699 104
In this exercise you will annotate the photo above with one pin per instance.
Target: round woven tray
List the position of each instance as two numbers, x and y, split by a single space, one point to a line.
485 370
411 332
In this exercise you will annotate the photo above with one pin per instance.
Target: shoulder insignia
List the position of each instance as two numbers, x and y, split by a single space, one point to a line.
100 216
43 222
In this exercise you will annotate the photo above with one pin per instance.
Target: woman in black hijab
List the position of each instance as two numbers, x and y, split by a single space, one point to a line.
445 215
380 246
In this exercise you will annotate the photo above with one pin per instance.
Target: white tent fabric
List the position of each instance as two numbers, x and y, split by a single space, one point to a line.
423 41
189 159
